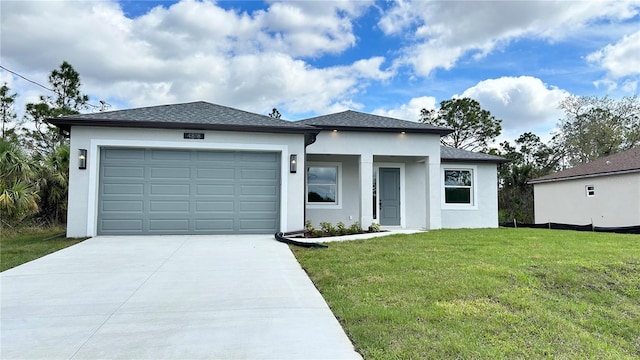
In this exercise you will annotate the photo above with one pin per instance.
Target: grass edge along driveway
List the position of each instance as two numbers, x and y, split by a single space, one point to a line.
30 244
484 293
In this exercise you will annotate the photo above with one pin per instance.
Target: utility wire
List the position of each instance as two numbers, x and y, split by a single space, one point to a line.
29 80
103 104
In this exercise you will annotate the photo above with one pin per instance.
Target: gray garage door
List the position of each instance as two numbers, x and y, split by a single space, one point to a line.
146 191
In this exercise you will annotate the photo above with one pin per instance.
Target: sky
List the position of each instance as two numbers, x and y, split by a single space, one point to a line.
518 59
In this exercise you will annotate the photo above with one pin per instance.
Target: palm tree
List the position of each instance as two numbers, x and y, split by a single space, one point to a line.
18 193
54 184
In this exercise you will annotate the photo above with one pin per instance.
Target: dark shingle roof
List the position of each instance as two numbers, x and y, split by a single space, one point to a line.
357 121
195 115
620 163
449 154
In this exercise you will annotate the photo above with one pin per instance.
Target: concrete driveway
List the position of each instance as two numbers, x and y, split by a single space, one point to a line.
168 297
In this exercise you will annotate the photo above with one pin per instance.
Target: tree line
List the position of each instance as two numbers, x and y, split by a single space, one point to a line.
34 156
592 127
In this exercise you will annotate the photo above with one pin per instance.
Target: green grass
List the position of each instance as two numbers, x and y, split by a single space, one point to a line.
484 294
19 247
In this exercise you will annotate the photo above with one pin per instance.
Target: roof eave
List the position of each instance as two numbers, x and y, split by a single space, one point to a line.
497 161
441 132
586 176
66 124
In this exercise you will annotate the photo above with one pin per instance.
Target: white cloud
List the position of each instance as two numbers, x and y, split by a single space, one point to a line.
444 31
411 110
194 50
310 28
523 103
620 60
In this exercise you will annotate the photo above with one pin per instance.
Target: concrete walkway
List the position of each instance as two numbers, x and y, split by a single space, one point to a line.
167 297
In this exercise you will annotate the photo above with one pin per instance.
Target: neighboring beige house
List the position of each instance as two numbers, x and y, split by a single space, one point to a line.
604 192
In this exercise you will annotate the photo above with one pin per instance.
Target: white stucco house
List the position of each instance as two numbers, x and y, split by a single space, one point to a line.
201 168
604 192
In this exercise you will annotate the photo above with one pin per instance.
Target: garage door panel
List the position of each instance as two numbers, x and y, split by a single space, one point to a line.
256 224
124 172
215 206
176 155
188 192
258 174
169 189
258 206
122 225
123 154
170 173
216 174
126 188
224 225
169 206
176 225
258 190
228 189
216 156
122 205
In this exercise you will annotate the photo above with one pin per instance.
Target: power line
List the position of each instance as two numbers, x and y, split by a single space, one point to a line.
29 80
103 104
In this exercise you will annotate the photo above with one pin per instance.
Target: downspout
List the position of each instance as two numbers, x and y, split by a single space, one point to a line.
309 138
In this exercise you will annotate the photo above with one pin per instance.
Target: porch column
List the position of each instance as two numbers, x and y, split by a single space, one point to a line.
434 183
366 190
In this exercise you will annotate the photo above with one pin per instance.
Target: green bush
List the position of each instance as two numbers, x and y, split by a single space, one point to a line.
341 228
355 228
374 227
308 226
328 228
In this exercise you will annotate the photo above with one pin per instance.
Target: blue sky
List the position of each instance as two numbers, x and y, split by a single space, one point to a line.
518 59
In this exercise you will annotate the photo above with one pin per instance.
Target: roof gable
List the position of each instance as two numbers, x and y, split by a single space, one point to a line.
623 162
194 115
356 121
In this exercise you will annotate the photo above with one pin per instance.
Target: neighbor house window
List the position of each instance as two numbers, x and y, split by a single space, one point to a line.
322 184
458 186
590 190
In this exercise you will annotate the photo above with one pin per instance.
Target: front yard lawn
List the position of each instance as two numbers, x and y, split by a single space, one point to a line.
30 244
488 293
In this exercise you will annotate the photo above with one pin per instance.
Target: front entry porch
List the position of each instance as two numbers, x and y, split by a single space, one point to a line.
393 191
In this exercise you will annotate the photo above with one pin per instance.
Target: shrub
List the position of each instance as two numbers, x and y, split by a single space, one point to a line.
355 228
327 228
374 227
308 226
341 228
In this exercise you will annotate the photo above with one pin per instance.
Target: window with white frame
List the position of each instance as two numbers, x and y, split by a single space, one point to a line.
458 186
590 190
323 184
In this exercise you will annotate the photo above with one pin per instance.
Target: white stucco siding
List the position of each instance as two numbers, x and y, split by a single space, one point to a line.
83 184
417 195
615 202
390 144
348 208
418 157
483 213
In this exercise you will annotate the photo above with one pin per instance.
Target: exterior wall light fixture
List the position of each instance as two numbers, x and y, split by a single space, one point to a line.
293 163
82 159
